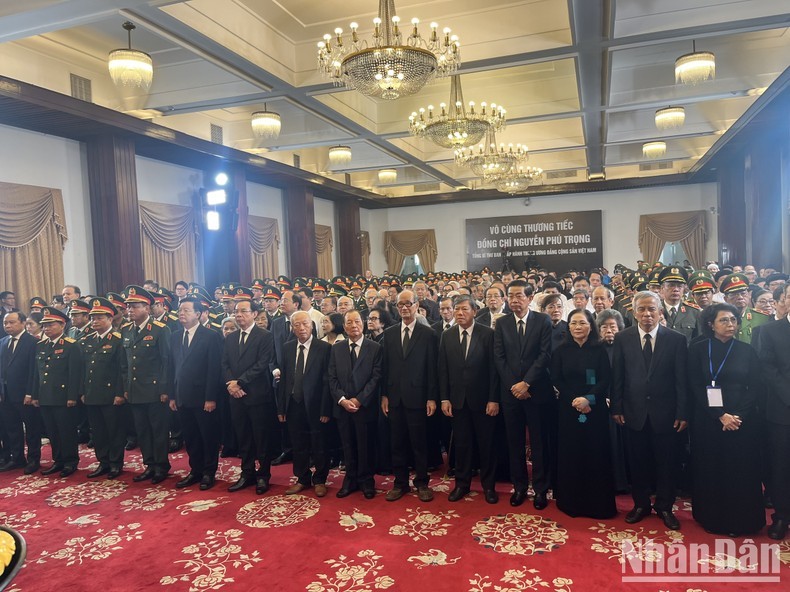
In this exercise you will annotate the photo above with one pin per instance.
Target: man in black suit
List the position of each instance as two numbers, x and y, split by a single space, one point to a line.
522 349
425 301
468 384
354 375
17 365
246 367
495 304
409 395
773 345
448 318
281 330
195 353
649 397
303 399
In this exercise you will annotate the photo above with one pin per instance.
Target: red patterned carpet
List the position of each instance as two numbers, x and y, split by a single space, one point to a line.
115 536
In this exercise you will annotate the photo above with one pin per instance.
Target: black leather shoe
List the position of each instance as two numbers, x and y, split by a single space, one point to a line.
396 493
637 514
67 471
90 444
11 465
207 482
451 472
52 470
114 473
158 477
261 485
98 472
491 496
457 494
241 484
369 493
174 445
31 467
518 497
346 491
778 530
130 445
144 476
285 457
540 502
669 519
190 479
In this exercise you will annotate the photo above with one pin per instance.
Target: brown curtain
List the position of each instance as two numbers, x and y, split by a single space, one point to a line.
688 228
32 237
365 244
323 250
399 244
264 237
169 237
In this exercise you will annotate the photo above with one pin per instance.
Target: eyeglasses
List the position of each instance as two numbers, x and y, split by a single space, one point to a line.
405 304
764 301
727 321
373 318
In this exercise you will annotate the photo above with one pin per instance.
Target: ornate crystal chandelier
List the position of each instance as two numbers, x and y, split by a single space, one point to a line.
388 67
130 67
670 118
695 67
456 127
518 180
266 124
339 156
489 161
654 149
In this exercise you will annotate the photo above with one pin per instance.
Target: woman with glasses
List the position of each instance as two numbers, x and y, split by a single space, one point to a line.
724 380
764 302
378 320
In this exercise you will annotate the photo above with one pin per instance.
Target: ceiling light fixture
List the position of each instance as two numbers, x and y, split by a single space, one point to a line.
130 67
456 127
695 67
339 156
266 124
654 149
670 118
388 176
518 180
389 66
489 161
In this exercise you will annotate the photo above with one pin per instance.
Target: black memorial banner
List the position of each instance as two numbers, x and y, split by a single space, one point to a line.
557 242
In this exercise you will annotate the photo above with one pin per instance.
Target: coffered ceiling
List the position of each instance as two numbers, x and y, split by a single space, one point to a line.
580 79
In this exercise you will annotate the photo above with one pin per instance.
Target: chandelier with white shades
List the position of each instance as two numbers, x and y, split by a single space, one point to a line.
130 67
266 124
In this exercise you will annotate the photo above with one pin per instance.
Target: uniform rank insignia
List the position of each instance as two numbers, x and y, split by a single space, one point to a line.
148 338
58 351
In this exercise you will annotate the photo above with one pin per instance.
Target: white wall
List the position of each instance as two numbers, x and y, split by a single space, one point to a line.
268 201
162 182
324 211
375 222
30 158
620 218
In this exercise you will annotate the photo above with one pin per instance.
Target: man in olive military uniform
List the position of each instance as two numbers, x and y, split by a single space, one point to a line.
680 316
271 303
102 390
735 288
56 386
146 342
702 288
162 309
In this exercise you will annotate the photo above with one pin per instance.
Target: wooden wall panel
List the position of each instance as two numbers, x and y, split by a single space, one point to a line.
300 230
348 237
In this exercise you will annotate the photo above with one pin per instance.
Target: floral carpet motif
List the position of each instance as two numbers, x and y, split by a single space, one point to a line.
278 511
358 574
519 534
420 524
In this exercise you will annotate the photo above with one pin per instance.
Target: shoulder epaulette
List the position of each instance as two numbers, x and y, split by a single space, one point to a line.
755 311
127 324
158 324
116 334
69 340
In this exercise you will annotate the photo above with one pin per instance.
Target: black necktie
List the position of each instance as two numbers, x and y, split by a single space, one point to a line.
521 329
243 338
446 326
672 315
464 342
405 339
287 327
647 351
12 345
136 331
186 340
298 393
353 353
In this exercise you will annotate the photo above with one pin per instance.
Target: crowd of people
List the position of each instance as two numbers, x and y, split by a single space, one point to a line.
579 386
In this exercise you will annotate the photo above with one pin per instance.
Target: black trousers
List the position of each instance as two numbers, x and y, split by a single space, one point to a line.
151 421
23 425
308 438
176 430
653 459
109 437
227 433
780 469
520 416
408 429
61 425
258 436
474 431
358 434
201 437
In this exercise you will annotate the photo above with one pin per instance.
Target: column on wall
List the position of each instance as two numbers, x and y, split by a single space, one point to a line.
300 230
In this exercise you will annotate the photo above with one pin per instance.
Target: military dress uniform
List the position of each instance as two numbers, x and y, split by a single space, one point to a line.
145 381
750 318
683 317
102 388
56 386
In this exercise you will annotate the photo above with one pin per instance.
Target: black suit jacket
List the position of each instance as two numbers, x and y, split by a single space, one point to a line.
281 337
195 371
359 382
410 379
16 371
439 328
529 361
315 382
431 310
772 347
660 393
250 365
470 381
